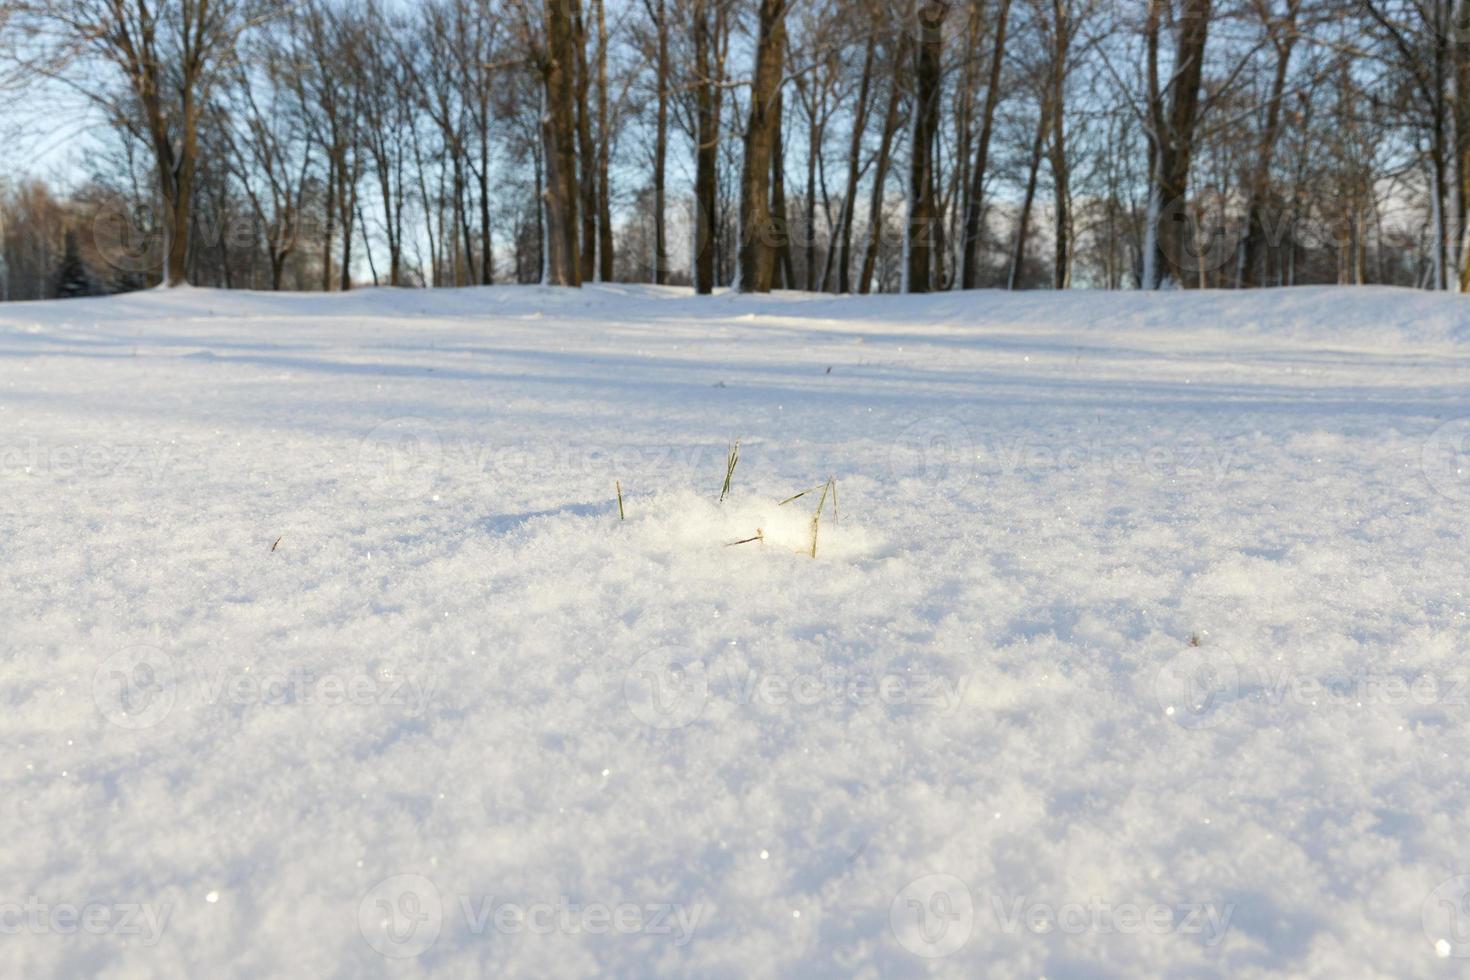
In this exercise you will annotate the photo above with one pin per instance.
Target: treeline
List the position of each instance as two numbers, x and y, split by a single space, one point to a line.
830 145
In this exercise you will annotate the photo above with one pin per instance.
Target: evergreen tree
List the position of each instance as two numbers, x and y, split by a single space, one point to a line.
74 279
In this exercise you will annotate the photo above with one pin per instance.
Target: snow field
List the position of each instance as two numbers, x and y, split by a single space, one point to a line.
326 653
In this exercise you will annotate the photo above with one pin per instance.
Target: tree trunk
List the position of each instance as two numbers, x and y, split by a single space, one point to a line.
1255 237
391 223
329 234
880 177
367 248
539 152
1061 175
1023 225
469 240
181 206
1460 66
919 242
604 154
347 206
586 148
180 223
974 214
563 264
661 148
346 270
487 244
854 171
781 216
418 159
940 280
809 219
174 163
1445 70
1171 139
708 26
759 236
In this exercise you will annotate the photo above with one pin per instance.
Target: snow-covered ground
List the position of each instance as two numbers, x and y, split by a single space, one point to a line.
324 652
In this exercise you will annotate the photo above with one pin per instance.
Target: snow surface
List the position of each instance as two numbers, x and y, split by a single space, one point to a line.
326 654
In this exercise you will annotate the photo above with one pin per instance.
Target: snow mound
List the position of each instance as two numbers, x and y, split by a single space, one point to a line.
682 523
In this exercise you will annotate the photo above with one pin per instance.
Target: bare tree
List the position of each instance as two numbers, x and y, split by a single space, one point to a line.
892 122
975 210
1281 28
1172 113
658 14
1193 143
270 152
554 50
165 60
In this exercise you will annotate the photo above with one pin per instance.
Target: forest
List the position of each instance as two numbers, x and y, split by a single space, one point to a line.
844 146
